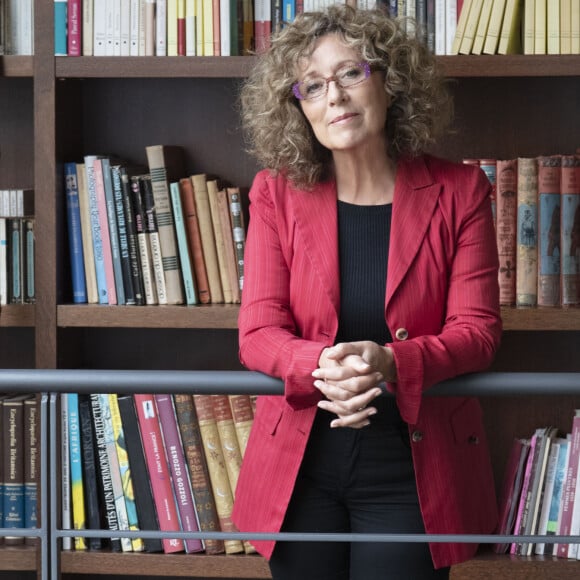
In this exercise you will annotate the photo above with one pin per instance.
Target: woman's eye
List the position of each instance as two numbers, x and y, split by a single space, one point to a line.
313 86
351 73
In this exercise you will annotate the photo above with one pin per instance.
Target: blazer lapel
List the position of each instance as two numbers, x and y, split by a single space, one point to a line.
316 218
414 202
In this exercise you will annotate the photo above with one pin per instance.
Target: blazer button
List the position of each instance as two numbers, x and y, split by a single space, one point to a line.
473 440
401 334
417 436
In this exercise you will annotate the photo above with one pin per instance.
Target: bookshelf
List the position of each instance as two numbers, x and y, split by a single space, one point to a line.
55 109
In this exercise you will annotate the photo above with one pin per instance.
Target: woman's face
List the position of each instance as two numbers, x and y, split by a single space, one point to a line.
345 119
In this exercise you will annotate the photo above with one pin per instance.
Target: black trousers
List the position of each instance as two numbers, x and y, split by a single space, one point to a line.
355 481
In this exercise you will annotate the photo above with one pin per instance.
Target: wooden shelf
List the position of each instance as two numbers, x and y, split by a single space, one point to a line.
16 66
17 315
17 558
224 316
180 565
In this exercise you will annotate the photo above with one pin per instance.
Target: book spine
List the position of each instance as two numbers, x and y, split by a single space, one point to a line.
111 214
135 11
190 30
158 469
125 471
28 267
229 249
15 246
162 35
194 239
527 231
31 465
549 172
3 262
184 257
559 480
243 417
171 27
164 166
126 273
74 27
178 469
198 471
547 495
75 235
99 28
13 435
149 288
217 469
143 495
90 473
570 231
125 28
65 497
238 231
60 25
87 27
105 480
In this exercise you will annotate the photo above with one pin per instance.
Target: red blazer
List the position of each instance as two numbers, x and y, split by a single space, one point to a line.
441 305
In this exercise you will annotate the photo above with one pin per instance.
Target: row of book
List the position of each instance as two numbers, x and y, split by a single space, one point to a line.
150 235
17 279
19 465
518 26
536 202
539 493
16 27
152 462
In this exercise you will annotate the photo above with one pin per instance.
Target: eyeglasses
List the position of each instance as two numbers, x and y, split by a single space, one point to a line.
346 77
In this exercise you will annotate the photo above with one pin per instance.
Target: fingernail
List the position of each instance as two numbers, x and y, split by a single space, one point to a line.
316 373
371 412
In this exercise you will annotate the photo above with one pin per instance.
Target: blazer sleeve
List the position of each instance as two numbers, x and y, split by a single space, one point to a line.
471 324
268 335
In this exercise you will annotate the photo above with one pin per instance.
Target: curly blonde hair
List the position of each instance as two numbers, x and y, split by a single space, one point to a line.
277 131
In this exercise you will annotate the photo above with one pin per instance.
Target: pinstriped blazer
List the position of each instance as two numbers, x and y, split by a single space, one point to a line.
441 306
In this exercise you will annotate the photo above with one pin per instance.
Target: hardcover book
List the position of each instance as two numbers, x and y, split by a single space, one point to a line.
31 465
570 231
65 497
238 230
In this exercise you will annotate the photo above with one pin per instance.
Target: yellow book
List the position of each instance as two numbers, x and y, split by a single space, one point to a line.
471 27
461 22
566 26
510 41
199 6
482 27
207 28
494 27
553 31
575 26
540 27
124 468
529 26
171 27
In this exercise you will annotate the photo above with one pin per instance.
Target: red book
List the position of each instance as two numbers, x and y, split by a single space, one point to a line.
181 28
158 470
74 24
178 469
506 226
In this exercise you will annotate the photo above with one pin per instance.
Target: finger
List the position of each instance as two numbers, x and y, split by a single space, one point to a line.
354 421
345 390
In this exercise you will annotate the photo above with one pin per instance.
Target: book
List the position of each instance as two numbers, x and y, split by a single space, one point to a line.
12 431
569 490
575 26
162 34
28 261
460 29
76 471
31 465
238 230
216 464
125 471
194 239
178 470
87 236
506 224
549 202
470 27
529 26
182 245
158 470
74 27
90 472
60 27
3 262
482 26
105 479
198 472
510 37
75 241
541 25
166 164
15 247
570 231
142 488
65 494
87 27
510 490
208 241
527 232
99 28
243 418
494 27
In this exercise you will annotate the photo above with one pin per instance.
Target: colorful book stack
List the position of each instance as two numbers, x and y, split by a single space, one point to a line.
149 235
152 462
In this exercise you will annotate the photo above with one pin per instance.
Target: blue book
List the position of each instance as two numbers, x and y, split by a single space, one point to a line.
288 10
75 239
182 246
113 230
60 27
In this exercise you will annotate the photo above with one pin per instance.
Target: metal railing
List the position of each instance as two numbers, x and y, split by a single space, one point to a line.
50 383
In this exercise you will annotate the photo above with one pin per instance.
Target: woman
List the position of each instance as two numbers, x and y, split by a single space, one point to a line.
367 262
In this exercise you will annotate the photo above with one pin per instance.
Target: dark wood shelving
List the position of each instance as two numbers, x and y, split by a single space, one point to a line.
17 558
180 565
16 66
17 315
238 66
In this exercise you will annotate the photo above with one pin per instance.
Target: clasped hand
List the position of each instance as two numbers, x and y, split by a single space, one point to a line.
348 376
